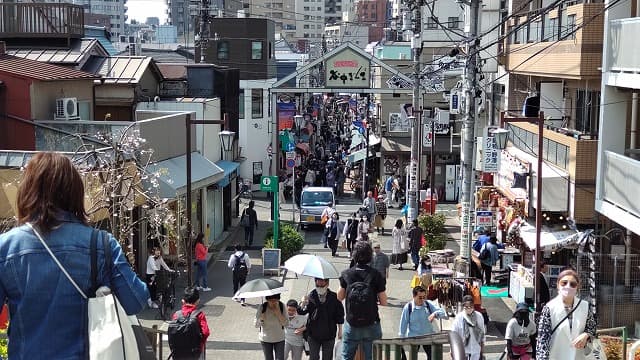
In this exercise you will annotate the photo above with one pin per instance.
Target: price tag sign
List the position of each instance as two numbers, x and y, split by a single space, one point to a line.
484 219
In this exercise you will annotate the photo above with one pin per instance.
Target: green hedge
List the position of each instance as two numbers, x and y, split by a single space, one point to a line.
434 232
290 242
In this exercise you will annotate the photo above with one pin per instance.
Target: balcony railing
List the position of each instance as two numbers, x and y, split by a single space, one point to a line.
623 53
621 181
50 20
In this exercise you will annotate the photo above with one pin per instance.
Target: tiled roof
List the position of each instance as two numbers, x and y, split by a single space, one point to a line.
173 71
80 49
37 70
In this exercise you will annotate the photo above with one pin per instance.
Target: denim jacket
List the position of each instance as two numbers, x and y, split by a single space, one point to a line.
48 315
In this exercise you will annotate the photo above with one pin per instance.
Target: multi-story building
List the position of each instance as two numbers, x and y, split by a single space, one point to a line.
178 16
373 14
618 175
115 10
553 55
336 35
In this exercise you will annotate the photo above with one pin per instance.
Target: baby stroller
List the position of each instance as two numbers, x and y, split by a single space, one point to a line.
362 211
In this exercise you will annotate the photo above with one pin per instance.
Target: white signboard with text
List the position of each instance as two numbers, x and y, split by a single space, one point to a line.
490 155
348 69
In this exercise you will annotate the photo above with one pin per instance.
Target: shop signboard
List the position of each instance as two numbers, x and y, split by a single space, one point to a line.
484 219
348 69
490 155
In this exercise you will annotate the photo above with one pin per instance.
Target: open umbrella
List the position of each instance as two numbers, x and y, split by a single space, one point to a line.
312 265
259 288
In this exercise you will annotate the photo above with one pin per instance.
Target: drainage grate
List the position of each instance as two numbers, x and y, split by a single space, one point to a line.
213 310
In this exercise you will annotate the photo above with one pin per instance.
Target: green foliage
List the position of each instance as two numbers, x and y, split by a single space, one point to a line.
290 242
434 232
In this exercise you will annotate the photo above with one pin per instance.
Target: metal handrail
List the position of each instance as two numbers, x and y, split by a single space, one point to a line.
619 329
382 348
155 335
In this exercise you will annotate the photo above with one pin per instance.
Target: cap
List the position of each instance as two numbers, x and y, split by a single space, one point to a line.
521 307
380 197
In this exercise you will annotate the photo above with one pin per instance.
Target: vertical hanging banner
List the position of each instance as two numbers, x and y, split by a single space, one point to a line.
286 111
490 158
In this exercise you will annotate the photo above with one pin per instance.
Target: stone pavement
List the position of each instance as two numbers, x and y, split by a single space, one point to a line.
232 330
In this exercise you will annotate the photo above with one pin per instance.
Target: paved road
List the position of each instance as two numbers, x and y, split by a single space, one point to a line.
233 333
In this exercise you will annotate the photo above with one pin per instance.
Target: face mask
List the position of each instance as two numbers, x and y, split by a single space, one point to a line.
568 291
321 290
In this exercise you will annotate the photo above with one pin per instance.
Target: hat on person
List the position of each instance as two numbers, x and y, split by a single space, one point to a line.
380 197
522 307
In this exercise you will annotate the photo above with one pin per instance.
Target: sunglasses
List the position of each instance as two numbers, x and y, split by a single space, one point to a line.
573 284
421 297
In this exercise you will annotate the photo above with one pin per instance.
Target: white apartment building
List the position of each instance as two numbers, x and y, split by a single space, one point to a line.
618 176
336 35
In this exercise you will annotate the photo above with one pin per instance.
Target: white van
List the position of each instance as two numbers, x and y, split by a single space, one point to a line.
313 200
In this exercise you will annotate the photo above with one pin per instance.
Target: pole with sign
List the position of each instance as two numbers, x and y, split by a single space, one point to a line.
270 184
291 163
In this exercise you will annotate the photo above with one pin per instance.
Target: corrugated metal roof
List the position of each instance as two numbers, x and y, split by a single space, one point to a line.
38 70
121 69
80 49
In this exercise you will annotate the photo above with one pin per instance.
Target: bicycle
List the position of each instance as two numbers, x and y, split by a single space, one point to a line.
165 282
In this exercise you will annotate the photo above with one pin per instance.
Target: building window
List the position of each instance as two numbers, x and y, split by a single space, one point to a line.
432 23
256 103
256 50
241 105
223 50
570 27
453 23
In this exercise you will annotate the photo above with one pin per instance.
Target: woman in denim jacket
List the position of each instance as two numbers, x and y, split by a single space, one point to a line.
48 315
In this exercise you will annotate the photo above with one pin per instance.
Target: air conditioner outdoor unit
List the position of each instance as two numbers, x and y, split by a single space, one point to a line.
67 109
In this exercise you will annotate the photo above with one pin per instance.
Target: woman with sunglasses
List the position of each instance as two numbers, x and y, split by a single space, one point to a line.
566 324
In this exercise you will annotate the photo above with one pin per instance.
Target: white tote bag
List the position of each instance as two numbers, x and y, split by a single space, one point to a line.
112 333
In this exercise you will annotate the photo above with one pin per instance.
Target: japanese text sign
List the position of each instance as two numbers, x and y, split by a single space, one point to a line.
490 155
348 69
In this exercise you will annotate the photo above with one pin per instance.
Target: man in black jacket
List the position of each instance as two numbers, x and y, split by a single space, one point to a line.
362 288
326 315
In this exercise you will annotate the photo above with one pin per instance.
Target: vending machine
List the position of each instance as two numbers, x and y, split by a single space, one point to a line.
450 183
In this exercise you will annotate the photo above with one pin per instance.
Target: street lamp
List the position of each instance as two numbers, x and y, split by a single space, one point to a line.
299 120
226 139
501 135
501 140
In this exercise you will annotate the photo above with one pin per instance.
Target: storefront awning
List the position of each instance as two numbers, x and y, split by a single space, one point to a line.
173 174
549 240
357 139
360 155
396 145
229 167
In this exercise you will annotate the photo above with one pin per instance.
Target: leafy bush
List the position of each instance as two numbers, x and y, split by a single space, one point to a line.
290 242
434 231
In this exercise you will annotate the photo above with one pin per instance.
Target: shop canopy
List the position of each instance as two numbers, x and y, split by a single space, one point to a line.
550 240
173 174
229 167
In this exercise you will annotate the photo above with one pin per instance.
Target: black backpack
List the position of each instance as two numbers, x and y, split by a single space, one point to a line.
361 304
185 335
240 266
485 253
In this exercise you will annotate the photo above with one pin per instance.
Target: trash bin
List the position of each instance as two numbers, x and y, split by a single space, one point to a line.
429 205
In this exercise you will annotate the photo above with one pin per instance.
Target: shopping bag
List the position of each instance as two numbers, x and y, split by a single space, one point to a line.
594 350
415 281
423 241
113 334
337 349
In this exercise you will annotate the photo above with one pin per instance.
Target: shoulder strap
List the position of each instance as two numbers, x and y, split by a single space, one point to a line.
56 259
410 303
94 261
565 318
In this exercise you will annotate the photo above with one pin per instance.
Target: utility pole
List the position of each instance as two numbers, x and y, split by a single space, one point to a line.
470 85
202 38
416 48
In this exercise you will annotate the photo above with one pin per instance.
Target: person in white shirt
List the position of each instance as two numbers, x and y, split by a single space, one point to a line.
328 214
293 340
521 334
469 324
154 263
240 265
